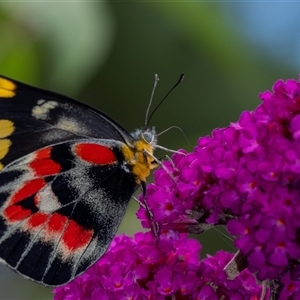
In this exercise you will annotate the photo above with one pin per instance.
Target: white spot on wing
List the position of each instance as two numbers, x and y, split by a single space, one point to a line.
47 201
68 124
41 110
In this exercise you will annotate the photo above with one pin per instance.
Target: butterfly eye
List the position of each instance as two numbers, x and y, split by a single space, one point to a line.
148 137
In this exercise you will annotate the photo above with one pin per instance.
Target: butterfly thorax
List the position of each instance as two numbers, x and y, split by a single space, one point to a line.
139 153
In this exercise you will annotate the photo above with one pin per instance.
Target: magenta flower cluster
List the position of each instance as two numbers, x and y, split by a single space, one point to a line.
140 268
248 177
245 176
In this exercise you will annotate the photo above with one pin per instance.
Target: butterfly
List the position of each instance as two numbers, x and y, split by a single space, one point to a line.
67 173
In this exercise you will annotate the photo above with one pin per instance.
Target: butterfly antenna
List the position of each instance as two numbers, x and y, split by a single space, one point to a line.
156 79
161 102
181 131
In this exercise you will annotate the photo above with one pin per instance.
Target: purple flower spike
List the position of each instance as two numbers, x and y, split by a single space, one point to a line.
142 268
246 176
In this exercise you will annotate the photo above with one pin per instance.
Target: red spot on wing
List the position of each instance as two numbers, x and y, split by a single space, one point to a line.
95 154
57 223
37 219
43 153
43 165
28 189
16 213
75 236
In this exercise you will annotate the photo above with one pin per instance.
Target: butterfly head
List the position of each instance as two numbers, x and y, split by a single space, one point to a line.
139 154
147 136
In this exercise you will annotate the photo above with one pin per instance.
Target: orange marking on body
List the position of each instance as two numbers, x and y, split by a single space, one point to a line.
57 223
37 219
7 88
16 213
141 163
29 189
75 236
45 167
95 154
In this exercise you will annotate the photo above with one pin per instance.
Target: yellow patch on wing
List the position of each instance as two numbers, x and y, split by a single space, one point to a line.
6 128
4 147
7 88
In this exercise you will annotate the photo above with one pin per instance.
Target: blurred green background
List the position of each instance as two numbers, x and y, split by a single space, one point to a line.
106 54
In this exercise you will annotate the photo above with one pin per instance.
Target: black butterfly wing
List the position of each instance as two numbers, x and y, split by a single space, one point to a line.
64 182
32 118
60 208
